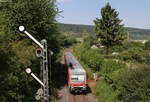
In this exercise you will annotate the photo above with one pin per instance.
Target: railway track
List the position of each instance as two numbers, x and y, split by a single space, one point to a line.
79 98
74 100
85 98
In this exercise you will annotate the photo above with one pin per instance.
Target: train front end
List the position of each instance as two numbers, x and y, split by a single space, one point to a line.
77 82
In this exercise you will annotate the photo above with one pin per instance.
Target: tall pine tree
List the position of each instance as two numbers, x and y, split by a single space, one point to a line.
108 28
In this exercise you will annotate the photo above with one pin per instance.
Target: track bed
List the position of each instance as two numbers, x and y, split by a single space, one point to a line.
66 96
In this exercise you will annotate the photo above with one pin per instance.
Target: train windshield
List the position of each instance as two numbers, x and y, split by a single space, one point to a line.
77 78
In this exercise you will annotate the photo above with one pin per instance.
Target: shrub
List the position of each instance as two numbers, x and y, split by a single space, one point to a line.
126 46
135 86
117 76
147 45
93 59
110 66
134 54
106 92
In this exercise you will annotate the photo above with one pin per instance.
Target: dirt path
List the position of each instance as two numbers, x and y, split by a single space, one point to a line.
65 96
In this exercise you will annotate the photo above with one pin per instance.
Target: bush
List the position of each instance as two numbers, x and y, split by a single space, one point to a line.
132 85
106 92
135 86
110 66
93 59
117 76
133 54
126 46
66 41
147 45
112 70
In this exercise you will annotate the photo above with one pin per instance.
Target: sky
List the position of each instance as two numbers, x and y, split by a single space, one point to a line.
134 13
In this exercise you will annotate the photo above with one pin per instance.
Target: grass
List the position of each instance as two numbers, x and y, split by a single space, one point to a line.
105 92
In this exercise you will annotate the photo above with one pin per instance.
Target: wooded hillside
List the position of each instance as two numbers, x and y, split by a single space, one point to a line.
77 30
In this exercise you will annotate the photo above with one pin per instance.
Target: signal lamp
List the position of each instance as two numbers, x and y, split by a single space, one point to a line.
39 53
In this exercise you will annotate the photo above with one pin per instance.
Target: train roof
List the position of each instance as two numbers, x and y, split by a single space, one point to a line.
74 65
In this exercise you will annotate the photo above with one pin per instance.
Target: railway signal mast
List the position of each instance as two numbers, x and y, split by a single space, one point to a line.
43 54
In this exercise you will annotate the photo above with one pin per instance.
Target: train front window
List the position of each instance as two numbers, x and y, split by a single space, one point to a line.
77 78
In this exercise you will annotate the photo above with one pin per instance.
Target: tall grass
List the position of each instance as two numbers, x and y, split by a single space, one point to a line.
105 92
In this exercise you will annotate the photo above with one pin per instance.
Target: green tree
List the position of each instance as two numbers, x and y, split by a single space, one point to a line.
88 40
134 86
147 45
109 29
66 41
38 16
16 86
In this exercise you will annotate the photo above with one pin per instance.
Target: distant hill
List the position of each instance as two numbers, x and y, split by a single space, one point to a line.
77 30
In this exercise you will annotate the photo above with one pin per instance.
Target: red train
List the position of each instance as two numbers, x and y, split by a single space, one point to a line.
77 81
